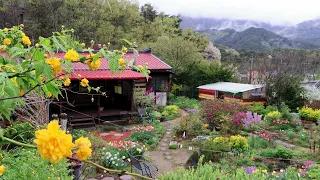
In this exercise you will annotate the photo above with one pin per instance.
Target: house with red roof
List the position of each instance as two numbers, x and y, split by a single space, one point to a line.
77 103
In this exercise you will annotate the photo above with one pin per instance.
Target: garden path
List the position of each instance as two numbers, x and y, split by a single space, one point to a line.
168 159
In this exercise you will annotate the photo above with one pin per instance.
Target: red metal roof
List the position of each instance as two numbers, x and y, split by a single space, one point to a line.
106 75
154 63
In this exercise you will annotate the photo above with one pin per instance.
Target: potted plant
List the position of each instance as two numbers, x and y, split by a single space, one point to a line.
142 100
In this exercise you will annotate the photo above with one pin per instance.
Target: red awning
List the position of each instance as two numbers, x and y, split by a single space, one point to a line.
106 75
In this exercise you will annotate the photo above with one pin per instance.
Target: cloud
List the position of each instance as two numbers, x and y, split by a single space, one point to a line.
274 11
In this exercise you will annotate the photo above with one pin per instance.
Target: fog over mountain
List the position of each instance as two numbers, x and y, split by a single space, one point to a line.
302 35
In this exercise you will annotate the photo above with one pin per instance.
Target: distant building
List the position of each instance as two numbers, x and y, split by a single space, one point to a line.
243 93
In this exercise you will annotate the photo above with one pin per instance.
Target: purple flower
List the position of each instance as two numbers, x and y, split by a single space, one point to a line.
249 120
307 164
250 169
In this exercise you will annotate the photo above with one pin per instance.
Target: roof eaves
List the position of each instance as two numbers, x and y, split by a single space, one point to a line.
161 61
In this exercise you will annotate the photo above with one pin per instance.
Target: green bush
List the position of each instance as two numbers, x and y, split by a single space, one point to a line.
27 164
257 108
145 137
173 146
291 134
209 172
171 112
239 143
279 152
271 116
190 124
257 142
185 102
159 128
22 131
113 160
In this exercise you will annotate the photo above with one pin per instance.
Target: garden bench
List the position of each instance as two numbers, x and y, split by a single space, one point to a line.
143 167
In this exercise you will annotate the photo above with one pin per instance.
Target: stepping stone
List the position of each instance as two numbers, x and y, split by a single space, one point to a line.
163 149
165 140
284 144
126 177
168 133
168 157
118 135
167 153
108 178
168 129
164 144
104 134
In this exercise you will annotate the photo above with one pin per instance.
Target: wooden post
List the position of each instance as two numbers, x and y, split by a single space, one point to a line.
99 115
60 108
132 98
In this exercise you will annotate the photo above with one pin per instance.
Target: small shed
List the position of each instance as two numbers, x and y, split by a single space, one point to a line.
244 93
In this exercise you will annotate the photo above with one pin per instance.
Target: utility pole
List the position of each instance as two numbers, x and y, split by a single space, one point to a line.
22 13
251 64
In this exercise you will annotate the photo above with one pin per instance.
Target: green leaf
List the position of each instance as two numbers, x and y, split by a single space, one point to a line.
68 66
38 55
53 89
49 49
1 133
58 44
44 41
15 51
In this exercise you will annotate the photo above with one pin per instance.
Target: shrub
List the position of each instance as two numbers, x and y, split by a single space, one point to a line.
190 124
258 143
273 115
239 143
28 164
159 128
173 146
145 137
113 160
210 172
185 102
257 108
309 114
170 112
291 134
213 111
22 131
279 152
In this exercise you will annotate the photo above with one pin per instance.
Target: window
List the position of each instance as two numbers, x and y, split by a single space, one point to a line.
159 83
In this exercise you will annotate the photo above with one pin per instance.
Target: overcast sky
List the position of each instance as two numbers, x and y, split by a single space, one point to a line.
274 11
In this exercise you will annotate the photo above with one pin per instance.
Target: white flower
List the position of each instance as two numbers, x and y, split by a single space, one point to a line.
281 170
123 157
111 159
113 162
129 160
116 164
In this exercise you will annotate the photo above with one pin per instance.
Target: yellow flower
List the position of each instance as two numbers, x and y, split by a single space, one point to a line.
23 34
79 76
83 45
49 95
148 71
5 30
94 65
84 148
264 171
71 55
67 82
22 25
84 82
55 64
33 172
6 41
124 49
139 150
53 143
122 62
26 40
2 168
140 67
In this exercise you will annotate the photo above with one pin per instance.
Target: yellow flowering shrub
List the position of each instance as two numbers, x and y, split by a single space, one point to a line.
26 40
239 143
273 115
67 82
55 65
310 114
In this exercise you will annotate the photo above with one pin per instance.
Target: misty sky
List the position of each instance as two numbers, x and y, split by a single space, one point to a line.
274 11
